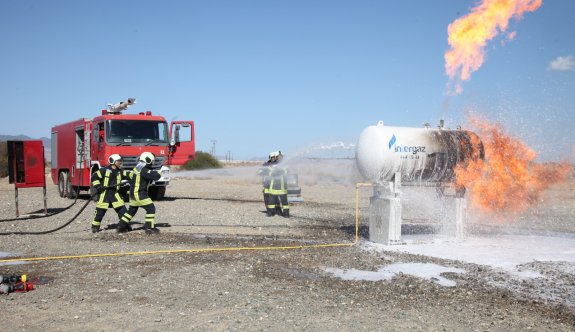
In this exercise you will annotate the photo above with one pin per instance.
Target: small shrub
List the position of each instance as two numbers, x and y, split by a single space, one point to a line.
203 160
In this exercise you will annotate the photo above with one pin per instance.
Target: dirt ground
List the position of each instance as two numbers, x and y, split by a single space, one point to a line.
220 264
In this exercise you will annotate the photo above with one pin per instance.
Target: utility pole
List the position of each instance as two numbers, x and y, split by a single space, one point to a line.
213 151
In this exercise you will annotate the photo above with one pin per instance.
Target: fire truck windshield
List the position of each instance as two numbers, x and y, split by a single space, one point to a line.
135 132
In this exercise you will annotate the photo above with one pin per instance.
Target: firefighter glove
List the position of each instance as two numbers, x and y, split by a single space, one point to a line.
140 166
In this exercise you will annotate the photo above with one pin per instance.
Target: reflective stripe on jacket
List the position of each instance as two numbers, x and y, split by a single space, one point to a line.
141 178
109 180
274 179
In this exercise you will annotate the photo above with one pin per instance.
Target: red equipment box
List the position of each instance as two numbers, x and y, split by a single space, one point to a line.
26 164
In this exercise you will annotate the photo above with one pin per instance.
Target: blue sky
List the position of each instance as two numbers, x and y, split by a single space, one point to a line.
258 76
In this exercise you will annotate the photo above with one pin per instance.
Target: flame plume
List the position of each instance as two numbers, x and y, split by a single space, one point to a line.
468 35
508 181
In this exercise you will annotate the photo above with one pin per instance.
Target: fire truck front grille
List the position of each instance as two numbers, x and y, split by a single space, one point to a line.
131 161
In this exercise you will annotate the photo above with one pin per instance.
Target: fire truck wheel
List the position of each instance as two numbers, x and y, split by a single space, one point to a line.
161 193
62 180
71 191
157 193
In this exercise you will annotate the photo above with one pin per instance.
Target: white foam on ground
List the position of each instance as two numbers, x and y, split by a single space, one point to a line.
431 272
502 252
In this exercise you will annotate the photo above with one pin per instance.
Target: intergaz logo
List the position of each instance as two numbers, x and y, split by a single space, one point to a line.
414 149
392 141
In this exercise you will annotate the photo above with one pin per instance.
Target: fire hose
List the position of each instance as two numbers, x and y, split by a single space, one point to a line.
68 222
201 250
38 217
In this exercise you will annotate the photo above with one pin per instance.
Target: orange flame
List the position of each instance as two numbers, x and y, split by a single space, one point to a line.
468 35
508 181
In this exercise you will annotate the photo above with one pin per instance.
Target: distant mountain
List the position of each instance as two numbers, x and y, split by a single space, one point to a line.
45 141
4 138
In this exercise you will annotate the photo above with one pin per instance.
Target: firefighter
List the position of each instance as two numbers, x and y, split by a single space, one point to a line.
275 186
107 182
140 179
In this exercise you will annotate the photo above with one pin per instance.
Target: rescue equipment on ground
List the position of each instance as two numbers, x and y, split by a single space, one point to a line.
15 283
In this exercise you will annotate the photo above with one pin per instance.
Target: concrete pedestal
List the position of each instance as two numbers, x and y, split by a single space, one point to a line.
460 216
385 220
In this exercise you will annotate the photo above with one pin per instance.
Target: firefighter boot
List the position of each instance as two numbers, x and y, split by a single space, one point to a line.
270 210
150 230
95 229
285 213
123 227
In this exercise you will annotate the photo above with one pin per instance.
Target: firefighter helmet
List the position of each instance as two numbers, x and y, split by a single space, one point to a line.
274 154
147 157
113 158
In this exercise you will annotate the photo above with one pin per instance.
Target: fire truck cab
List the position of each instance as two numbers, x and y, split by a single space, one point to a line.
81 147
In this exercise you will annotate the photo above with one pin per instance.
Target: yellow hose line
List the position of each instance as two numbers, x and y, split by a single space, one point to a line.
201 250
174 252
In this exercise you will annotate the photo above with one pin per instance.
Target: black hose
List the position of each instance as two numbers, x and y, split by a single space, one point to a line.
51 230
64 225
44 216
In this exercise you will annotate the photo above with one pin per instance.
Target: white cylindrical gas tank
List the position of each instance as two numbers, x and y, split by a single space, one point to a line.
420 154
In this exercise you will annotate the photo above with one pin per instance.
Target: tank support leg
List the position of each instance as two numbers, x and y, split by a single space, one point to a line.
385 214
460 214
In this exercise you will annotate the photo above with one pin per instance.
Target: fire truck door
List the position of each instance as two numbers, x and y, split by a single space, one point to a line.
82 147
98 139
182 142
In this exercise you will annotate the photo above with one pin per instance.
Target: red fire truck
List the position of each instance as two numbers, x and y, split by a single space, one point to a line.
80 147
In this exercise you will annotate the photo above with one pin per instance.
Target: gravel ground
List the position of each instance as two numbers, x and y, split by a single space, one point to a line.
240 271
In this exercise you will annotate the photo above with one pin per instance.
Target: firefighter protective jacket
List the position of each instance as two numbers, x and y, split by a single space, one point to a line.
107 181
141 178
274 179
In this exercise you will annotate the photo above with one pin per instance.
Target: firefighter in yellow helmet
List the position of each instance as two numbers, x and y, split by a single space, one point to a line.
140 179
275 185
107 182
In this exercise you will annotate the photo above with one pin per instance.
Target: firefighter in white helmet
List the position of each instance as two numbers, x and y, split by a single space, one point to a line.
107 182
275 185
141 178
